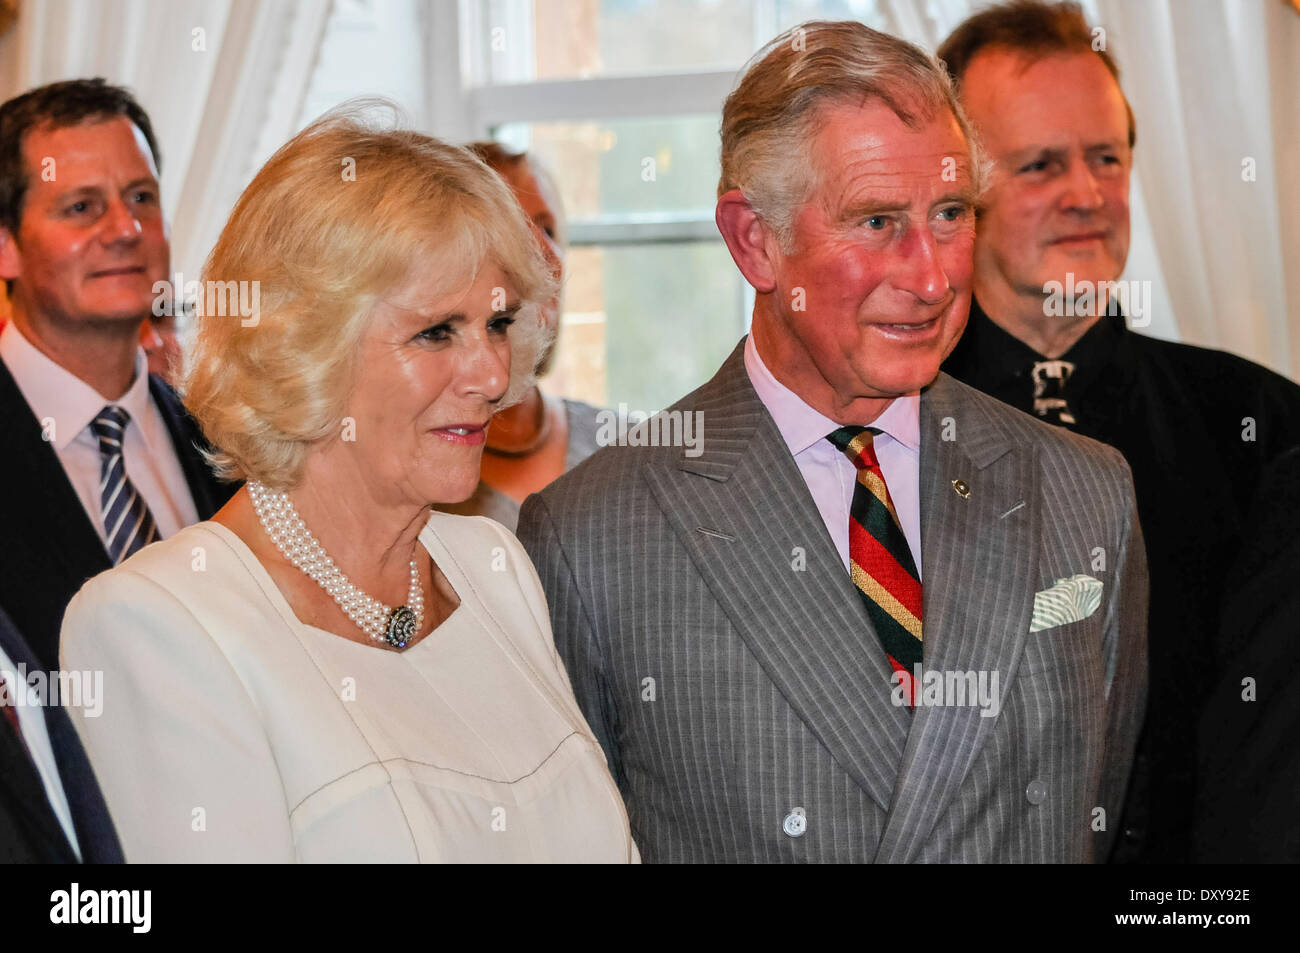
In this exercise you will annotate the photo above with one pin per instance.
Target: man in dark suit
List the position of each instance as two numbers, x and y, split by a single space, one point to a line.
779 632
1046 335
100 456
51 808
1248 773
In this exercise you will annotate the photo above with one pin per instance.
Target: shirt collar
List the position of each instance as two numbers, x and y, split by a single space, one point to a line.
56 393
1001 355
803 427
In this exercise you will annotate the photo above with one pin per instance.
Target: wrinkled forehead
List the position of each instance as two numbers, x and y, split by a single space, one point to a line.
873 148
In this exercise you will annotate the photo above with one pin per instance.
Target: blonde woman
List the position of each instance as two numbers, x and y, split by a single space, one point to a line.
327 670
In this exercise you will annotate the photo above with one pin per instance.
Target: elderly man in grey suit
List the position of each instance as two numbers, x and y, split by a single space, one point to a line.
873 615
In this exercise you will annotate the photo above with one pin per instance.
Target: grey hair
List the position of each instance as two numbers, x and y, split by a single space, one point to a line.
773 112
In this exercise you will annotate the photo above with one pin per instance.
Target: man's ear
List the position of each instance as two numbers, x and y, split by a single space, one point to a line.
748 239
10 261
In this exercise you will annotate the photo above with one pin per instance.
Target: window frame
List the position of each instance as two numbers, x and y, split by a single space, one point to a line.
464 109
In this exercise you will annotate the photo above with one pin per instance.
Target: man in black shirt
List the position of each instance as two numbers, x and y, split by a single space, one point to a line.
1047 334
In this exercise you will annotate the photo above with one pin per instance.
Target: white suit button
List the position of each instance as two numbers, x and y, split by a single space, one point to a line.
1036 793
795 823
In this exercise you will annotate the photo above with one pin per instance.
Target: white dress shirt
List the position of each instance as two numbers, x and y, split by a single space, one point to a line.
830 475
31 722
66 405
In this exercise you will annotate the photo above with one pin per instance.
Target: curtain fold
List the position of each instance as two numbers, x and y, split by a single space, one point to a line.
1213 86
219 78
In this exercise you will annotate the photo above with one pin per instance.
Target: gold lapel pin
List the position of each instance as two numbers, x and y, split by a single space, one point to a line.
961 488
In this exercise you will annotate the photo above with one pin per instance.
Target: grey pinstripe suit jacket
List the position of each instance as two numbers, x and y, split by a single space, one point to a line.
770 690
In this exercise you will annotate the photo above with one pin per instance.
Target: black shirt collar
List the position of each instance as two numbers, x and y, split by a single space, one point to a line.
1002 357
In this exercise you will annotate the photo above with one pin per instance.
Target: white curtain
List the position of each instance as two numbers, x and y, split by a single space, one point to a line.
1215 89
222 80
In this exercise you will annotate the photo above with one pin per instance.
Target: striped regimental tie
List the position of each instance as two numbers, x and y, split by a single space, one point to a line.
128 524
880 559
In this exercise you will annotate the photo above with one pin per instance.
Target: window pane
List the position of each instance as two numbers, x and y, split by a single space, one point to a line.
793 12
646 324
369 50
526 40
628 166
571 39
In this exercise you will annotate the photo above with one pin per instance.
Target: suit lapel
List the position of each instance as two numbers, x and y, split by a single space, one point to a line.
24 792
90 817
51 546
35 473
185 438
978 553
21 786
744 513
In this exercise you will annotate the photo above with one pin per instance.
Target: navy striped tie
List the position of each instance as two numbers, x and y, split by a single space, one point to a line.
128 524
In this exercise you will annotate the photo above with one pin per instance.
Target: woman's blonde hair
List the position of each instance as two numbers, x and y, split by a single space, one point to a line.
341 215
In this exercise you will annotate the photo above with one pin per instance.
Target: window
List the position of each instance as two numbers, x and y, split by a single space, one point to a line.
621 99
652 301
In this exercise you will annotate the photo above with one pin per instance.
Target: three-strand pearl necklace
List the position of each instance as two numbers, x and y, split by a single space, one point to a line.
394 626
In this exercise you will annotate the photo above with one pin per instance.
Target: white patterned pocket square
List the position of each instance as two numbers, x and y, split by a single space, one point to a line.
1069 600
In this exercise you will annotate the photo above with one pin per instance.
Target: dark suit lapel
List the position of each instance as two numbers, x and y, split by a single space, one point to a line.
21 787
24 798
744 513
34 473
50 545
978 554
90 818
205 489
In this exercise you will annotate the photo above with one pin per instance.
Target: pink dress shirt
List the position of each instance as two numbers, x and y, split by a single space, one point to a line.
829 474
